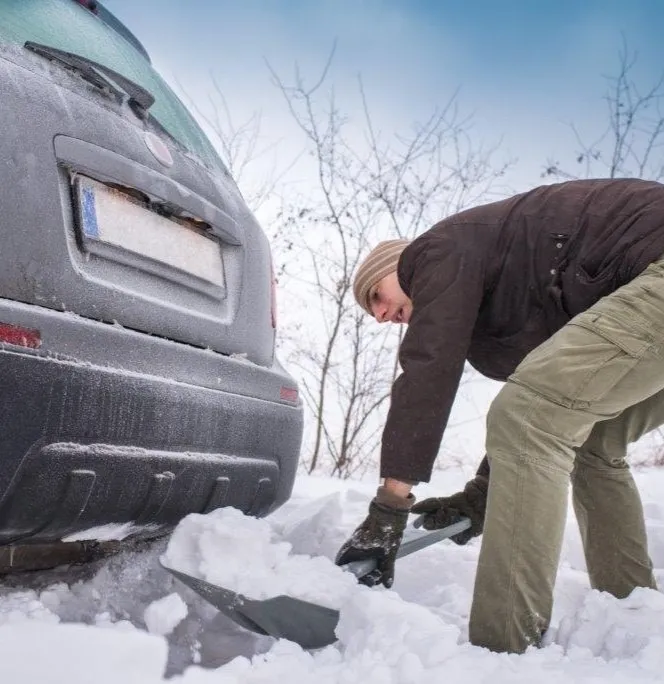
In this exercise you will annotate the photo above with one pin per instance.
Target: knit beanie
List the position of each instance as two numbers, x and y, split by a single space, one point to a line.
380 261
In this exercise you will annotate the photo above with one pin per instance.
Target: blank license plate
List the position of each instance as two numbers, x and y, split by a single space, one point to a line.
110 217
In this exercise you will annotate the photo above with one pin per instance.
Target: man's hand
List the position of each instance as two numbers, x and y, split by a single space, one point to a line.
379 537
470 503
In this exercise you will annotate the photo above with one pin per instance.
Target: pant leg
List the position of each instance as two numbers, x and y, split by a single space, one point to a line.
604 361
607 502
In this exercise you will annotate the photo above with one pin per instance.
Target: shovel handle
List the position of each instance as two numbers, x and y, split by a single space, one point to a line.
413 540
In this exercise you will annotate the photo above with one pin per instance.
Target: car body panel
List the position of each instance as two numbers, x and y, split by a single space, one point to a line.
48 266
139 385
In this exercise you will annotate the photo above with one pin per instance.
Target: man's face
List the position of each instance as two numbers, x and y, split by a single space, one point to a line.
388 302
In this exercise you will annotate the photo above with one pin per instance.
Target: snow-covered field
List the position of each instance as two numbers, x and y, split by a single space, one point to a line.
126 621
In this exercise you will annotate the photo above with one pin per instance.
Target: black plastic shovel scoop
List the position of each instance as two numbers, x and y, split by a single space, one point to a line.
286 617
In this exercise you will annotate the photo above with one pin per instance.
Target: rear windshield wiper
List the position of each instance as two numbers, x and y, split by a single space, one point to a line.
140 99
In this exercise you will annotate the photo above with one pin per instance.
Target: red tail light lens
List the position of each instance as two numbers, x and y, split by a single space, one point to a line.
21 337
288 394
273 297
89 4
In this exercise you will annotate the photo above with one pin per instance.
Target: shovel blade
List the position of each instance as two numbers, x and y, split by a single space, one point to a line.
225 601
282 617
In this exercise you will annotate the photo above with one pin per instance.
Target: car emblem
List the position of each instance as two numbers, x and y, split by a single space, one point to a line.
158 148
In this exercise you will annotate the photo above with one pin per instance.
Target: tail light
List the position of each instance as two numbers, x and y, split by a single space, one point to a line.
20 337
273 296
89 5
289 394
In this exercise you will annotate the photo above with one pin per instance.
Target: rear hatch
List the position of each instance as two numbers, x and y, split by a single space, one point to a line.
114 206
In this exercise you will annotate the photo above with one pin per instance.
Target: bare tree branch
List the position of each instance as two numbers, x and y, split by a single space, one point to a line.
395 185
632 141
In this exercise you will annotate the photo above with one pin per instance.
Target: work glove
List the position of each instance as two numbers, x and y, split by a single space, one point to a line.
379 537
469 503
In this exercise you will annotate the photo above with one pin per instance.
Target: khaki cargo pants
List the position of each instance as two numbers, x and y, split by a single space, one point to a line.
568 412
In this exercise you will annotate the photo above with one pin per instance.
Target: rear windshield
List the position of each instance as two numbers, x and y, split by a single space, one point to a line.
66 25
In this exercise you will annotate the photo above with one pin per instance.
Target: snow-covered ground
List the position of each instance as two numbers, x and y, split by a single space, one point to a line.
126 621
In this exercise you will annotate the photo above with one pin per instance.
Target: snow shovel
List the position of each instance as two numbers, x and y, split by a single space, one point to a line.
284 617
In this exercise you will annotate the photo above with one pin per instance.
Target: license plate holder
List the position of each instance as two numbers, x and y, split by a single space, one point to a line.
115 226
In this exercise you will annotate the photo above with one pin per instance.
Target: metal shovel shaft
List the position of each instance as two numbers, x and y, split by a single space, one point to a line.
413 540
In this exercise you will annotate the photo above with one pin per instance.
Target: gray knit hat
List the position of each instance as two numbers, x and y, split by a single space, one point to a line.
380 261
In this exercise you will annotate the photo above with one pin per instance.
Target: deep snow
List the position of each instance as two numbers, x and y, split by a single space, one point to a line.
125 620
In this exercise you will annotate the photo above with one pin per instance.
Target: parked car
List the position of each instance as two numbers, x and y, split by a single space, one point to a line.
138 375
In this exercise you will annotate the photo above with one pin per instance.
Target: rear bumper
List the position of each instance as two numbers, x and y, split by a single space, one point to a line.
92 435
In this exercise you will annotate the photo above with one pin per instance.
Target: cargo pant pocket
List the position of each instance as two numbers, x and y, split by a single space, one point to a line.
584 360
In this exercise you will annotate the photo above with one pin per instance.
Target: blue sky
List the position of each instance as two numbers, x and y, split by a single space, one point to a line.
526 69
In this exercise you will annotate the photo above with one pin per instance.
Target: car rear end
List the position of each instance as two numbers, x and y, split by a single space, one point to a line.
137 323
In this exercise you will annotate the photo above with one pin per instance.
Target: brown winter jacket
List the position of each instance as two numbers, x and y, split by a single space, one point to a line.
490 284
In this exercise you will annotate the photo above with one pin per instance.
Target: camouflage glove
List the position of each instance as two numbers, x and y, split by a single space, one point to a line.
379 537
470 503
